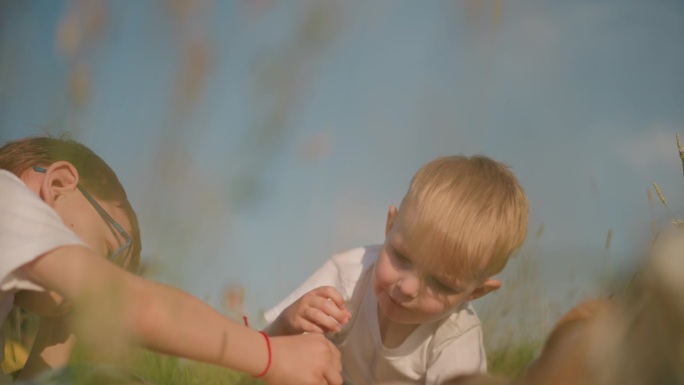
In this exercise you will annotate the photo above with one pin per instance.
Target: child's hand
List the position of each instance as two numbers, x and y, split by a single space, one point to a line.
303 360
321 310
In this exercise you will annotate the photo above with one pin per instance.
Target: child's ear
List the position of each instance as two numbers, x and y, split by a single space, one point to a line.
487 287
60 177
391 216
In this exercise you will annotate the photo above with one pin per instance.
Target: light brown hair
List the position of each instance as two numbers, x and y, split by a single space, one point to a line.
94 174
470 212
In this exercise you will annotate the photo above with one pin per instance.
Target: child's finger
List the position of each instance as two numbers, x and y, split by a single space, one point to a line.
334 299
323 320
333 376
310 327
333 294
341 316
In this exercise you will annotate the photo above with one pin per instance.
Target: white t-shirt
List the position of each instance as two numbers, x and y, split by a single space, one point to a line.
29 228
434 351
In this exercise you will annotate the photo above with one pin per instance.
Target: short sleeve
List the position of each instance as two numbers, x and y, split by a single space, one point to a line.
463 355
28 229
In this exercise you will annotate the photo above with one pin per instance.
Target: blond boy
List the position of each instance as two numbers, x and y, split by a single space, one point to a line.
63 213
400 312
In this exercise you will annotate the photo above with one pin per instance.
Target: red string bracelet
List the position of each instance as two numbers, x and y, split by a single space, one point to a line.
268 363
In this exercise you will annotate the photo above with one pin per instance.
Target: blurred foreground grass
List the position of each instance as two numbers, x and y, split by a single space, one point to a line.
160 369
511 360
506 359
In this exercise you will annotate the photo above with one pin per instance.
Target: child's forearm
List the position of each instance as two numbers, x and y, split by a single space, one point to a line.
113 306
179 324
173 322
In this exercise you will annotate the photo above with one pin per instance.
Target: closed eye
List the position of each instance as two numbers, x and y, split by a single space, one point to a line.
400 258
443 287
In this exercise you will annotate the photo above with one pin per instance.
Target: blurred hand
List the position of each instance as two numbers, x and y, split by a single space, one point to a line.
321 310
305 359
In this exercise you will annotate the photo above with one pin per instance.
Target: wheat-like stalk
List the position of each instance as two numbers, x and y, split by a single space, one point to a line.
660 195
676 222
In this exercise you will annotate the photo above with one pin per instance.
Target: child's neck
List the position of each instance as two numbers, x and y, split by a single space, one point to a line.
393 334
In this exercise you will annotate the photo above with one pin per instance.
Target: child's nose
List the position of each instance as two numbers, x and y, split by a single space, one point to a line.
409 285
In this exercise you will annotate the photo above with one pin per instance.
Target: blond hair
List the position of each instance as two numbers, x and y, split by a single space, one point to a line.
469 215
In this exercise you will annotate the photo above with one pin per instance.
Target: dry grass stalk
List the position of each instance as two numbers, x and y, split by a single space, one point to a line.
660 195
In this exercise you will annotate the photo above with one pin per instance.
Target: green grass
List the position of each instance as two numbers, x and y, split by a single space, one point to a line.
508 357
508 360
511 360
160 369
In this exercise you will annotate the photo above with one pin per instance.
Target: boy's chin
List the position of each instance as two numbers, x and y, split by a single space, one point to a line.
404 316
392 311
411 320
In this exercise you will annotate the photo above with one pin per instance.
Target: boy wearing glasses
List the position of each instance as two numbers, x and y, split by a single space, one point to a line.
63 213
400 312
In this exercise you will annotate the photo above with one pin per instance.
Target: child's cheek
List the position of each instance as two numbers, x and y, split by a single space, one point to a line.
434 309
379 282
384 276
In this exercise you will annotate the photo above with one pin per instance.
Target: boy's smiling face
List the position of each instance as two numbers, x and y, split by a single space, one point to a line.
408 294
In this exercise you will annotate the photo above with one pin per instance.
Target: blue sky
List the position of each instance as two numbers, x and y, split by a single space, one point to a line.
311 119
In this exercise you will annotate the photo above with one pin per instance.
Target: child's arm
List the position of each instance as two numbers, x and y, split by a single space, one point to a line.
321 310
173 322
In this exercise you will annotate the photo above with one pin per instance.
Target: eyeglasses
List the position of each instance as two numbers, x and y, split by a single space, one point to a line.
118 256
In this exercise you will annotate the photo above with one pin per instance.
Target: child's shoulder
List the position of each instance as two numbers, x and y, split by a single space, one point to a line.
363 255
457 324
351 266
